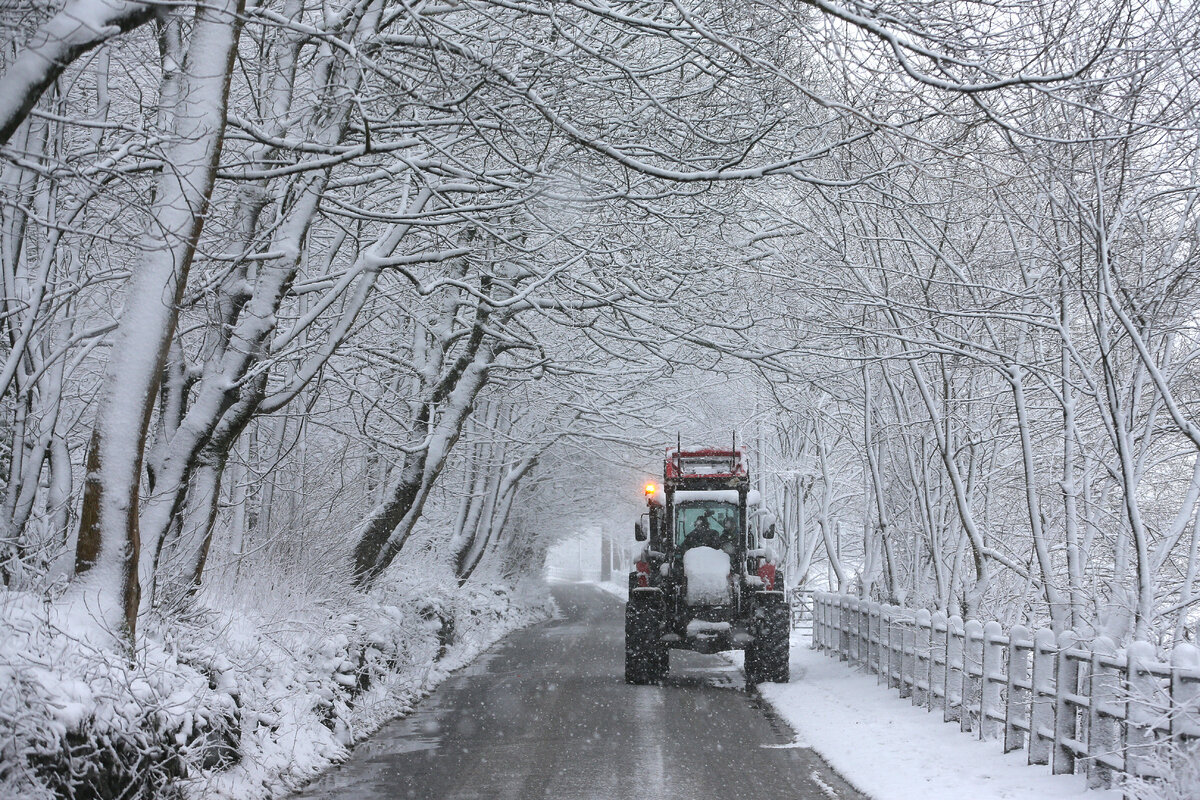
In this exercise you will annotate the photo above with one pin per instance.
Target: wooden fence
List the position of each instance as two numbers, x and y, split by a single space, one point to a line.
1075 706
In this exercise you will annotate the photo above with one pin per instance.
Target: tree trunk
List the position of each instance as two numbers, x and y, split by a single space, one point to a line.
109 540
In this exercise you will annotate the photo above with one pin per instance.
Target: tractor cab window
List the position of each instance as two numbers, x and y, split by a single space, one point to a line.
710 523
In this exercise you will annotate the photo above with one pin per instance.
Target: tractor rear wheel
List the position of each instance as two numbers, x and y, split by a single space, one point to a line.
767 656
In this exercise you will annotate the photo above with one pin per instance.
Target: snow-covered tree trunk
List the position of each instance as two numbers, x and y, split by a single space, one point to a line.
824 514
1058 610
109 541
501 510
382 535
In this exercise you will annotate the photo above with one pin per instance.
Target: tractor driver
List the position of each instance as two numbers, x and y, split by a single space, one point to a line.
703 535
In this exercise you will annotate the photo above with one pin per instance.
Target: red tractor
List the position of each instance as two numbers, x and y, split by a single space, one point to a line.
708 579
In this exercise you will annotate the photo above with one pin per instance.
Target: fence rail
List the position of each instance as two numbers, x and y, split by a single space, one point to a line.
1072 705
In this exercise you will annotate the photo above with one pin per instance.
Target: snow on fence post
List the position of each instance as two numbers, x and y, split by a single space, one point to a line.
1104 727
937 660
1017 688
954 669
1141 686
991 719
1066 716
1185 691
922 674
1041 702
972 675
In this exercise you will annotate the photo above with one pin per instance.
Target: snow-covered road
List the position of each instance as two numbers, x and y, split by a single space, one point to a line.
547 714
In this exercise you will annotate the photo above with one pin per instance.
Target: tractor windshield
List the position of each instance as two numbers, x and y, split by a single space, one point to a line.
704 520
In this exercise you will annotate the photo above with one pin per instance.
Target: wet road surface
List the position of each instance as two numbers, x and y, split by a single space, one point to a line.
547 714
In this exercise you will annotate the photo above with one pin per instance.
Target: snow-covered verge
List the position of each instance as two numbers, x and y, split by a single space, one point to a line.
231 700
890 750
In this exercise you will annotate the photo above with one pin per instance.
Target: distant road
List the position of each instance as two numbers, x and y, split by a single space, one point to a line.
547 714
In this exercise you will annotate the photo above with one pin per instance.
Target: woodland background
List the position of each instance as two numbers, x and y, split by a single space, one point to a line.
322 319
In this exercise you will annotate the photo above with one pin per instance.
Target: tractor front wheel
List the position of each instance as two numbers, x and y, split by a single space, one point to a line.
647 659
767 655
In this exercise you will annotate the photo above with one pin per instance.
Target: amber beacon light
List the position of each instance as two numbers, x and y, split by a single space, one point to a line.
650 489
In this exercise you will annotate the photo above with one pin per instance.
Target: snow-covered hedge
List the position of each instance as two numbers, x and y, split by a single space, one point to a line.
224 701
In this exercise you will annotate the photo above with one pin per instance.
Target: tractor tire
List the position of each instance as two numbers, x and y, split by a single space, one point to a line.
752 666
647 659
767 656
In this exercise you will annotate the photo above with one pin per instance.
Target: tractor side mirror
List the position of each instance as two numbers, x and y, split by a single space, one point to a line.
769 533
639 532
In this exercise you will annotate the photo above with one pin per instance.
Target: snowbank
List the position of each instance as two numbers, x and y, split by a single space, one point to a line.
890 750
707 571
231 702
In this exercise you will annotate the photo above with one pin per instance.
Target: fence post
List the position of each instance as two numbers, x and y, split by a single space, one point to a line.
1041 701
1066 717
847 627
819 605
937 659
843 603
896 642
954 669
991 667
1104 732
1141 686
1185 691
881 644
922 682
873 635
846 617
815 640
972 672
889 652
864 632
1016 696
826 616
907 651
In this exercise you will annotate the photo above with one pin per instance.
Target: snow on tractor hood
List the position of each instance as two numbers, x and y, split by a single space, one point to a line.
711 496
707 573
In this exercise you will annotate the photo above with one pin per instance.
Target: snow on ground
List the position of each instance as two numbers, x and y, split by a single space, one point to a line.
890 750
244 697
